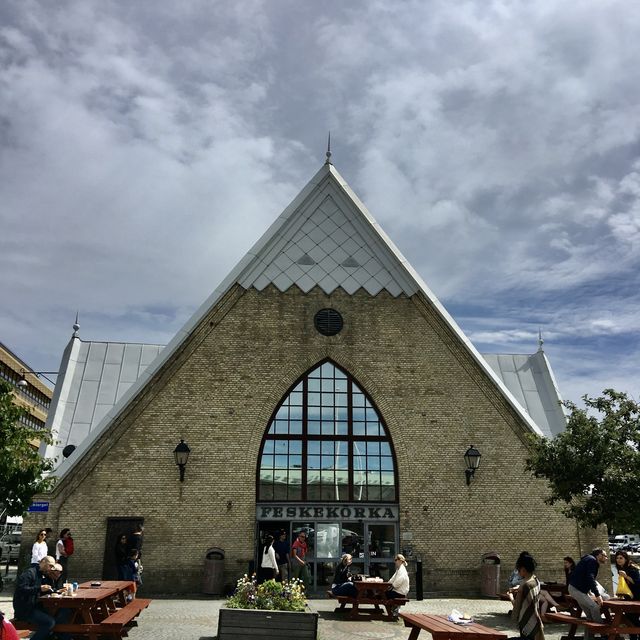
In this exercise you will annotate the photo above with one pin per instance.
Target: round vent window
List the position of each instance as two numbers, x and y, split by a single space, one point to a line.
328 322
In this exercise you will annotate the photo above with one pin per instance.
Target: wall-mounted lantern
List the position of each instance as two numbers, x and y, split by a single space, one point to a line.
472 461
181 454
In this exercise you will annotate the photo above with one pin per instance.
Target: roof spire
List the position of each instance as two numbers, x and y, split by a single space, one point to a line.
76 327
328 154
540 340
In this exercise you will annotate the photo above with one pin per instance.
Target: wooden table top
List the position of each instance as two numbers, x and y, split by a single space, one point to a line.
619 604
374 586
441 628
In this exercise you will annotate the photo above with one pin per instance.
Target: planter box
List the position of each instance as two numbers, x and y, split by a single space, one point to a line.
238 624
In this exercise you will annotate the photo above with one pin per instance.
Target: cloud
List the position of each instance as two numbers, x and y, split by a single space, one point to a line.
146 146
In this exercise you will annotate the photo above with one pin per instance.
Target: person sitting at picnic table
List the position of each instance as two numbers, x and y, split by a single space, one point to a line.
342 584
526 600
569 566
629 572
399 582
515 579
54 577
30 585
582 581
546 600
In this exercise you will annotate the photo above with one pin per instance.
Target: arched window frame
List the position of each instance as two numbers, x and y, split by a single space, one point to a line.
350 438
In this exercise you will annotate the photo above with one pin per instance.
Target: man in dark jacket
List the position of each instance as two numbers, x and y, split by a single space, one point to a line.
29 587
583 580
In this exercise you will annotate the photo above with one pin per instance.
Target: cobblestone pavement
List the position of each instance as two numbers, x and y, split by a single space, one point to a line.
196 618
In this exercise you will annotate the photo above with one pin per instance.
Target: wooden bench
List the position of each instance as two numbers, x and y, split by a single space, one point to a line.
125 617
601 628
114 626
388 603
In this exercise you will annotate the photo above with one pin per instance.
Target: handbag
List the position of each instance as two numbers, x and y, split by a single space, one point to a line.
623 590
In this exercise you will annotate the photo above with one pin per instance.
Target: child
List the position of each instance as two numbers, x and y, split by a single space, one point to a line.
131 569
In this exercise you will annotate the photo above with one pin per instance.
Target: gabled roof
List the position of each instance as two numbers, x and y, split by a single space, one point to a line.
303 247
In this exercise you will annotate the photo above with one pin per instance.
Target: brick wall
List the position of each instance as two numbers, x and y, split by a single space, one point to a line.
218 393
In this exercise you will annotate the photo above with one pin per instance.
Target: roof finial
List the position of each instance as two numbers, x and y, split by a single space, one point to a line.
76 326
328 154
540 340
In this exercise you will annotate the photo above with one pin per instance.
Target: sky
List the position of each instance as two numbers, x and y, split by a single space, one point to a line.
145 146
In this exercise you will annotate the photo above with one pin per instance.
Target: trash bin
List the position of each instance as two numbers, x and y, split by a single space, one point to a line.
490 575
213 578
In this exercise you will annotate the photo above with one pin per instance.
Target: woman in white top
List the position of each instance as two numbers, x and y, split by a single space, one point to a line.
399 582
39 549
269 564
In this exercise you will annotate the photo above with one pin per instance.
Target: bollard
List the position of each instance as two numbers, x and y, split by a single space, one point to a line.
419 589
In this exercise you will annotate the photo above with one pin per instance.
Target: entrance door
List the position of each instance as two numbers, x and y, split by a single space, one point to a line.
115 528
372 545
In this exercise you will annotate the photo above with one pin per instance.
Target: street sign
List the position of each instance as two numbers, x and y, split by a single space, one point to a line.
38 506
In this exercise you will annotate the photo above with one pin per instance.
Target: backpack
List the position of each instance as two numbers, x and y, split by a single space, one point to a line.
68 545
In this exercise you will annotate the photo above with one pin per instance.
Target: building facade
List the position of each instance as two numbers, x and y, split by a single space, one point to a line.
322 387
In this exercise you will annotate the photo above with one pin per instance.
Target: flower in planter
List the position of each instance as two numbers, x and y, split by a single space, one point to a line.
270 595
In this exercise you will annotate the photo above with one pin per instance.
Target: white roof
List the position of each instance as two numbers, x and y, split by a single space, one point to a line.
531 381
325 237
93 377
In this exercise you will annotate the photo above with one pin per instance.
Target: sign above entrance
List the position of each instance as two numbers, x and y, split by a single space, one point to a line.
326 512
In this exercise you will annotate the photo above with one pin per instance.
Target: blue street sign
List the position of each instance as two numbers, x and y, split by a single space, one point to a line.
38 506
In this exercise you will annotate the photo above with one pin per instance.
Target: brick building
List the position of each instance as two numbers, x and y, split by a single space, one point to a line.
323 387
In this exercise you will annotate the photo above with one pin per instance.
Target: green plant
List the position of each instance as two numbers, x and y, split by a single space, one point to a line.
270 595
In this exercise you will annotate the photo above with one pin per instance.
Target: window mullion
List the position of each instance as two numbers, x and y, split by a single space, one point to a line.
350 437
305 389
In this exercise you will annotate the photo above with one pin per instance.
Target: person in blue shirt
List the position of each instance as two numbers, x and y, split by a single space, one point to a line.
582 580
281 547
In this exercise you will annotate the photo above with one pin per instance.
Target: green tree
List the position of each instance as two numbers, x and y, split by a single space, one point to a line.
594 465
21 467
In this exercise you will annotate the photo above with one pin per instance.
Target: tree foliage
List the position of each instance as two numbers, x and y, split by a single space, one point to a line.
594 465
21 467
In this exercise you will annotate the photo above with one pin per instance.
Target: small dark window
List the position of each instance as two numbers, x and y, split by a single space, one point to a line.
328 322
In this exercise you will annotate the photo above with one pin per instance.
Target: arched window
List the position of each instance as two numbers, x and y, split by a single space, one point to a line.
326 442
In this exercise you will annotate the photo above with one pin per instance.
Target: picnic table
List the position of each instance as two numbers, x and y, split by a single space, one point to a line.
97 609
441 628
620 619
370 592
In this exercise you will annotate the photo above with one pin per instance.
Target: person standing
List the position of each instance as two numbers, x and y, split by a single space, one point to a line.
582 580
62 554
269 564
525 603
39 549
281 547
136 539
299 567
30 585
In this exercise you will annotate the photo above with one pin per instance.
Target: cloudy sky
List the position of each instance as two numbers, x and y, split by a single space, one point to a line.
145 146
